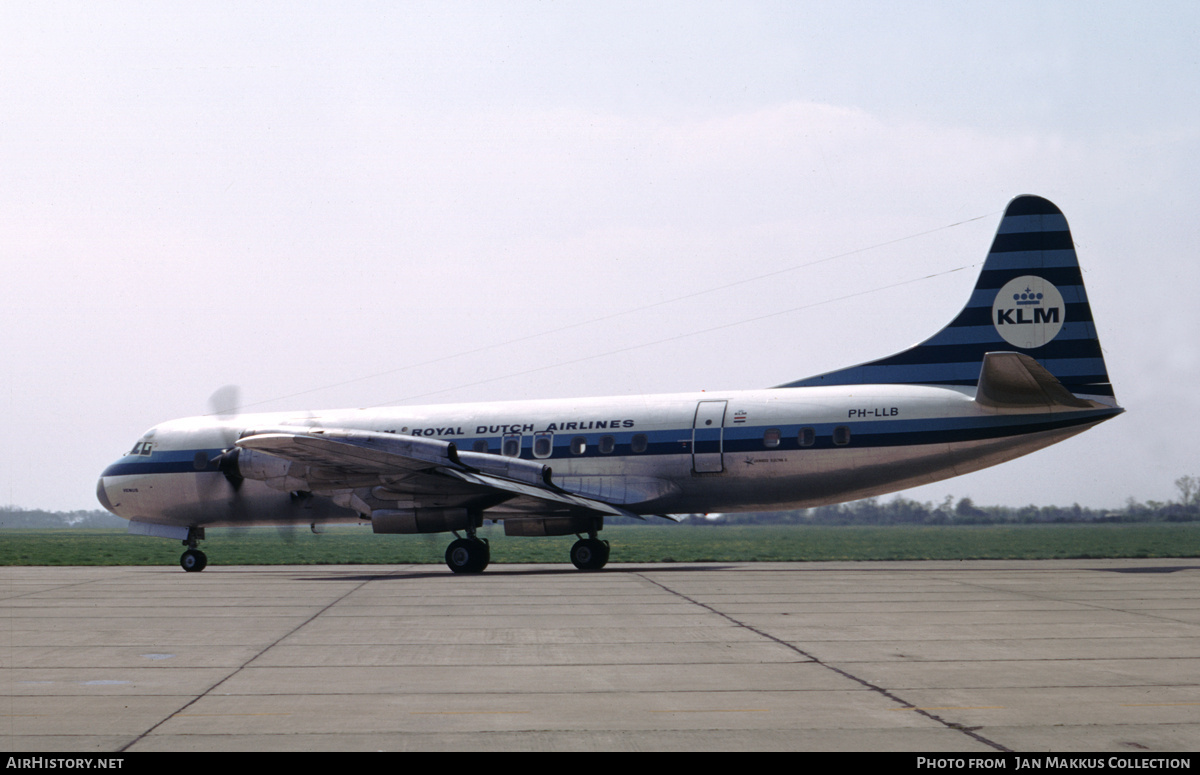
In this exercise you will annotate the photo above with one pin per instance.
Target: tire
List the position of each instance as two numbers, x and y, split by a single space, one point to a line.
193 561
590 554
467 555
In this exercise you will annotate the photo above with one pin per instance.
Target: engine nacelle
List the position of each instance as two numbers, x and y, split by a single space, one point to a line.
275 472
551 526
528 471
421 520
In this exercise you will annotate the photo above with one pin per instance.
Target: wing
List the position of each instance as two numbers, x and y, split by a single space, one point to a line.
423 472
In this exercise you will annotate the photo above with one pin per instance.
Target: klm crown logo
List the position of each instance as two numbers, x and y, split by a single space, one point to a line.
1028 297
1028 312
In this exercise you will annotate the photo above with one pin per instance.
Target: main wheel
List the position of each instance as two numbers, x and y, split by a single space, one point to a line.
193 561
468 555
589 554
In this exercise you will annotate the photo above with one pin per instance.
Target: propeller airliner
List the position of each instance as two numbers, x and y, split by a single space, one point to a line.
1019 369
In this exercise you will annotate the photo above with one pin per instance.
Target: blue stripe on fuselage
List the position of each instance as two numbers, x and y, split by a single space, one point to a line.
166 462
677 441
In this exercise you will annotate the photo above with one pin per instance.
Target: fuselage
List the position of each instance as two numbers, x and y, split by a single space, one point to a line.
661 454
1018 369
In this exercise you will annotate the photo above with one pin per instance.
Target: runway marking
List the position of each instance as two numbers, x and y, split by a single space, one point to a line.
1156 704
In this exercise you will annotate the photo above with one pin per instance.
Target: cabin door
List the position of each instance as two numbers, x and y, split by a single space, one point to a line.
708 438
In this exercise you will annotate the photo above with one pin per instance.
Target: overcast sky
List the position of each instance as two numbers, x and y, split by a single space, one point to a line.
357 204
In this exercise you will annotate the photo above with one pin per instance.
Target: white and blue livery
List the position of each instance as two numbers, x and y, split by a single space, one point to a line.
1020 368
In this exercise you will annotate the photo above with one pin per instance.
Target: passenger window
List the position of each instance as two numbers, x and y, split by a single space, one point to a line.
480 445
578 445
841 435
639 443
771 438
807 437
607 445
543 444
512 445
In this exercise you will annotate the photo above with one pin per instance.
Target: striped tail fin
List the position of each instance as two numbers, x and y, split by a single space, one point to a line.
1029 299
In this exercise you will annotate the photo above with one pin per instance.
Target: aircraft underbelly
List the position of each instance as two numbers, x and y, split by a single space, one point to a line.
804 479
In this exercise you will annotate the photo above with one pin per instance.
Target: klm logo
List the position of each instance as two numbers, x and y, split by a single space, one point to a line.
1023 301
1028 312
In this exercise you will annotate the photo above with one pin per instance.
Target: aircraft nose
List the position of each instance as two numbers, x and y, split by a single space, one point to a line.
102 495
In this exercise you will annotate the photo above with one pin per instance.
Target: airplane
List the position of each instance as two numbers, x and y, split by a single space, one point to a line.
1019 369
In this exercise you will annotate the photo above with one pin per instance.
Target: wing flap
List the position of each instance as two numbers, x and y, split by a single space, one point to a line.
544 493
329 459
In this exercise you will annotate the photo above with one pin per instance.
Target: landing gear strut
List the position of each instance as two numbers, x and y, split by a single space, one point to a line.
193 560
470 554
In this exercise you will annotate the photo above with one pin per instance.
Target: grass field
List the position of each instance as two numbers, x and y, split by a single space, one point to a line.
651 543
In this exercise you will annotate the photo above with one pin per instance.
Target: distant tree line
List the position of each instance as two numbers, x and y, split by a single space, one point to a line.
12 516
902 511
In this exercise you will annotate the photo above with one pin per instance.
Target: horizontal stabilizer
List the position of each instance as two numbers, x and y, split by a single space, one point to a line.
1016 381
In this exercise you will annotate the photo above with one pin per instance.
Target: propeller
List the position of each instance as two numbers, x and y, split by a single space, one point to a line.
225 402
227 463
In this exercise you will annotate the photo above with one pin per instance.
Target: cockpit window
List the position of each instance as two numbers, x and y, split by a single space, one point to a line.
142 448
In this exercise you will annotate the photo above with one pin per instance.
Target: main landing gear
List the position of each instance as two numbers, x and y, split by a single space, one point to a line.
590 553
468 555
472 554
193 560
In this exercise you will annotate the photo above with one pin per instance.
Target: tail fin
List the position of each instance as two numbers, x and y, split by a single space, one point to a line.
1029 299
